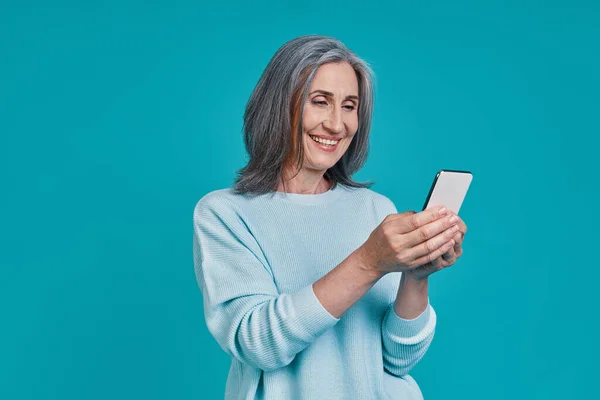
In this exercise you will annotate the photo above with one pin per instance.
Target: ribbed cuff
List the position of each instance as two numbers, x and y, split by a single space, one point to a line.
406 328
310 312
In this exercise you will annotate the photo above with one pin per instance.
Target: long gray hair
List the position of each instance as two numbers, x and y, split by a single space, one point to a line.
273 116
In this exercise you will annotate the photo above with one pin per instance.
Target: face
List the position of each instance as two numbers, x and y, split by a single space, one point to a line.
330 114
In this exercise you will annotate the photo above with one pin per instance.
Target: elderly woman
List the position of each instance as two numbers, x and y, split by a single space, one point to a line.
313 283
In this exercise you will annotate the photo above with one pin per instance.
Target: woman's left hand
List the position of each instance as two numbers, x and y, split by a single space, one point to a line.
446 260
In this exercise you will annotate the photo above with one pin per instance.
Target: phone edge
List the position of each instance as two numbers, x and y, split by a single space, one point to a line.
431 188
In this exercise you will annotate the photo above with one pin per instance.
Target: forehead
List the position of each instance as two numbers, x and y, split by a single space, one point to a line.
336 78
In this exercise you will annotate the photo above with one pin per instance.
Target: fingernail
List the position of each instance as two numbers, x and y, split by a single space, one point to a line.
453 219
443 211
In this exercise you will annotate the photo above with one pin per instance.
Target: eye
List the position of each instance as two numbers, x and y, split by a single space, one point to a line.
350 107
319 102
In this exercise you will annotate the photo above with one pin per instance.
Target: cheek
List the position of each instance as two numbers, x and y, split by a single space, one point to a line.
311 119
352 123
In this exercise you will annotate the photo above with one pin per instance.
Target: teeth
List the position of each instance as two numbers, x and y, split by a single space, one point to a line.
324 141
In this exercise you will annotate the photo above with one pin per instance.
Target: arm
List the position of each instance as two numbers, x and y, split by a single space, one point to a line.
408 327
244 312
409 324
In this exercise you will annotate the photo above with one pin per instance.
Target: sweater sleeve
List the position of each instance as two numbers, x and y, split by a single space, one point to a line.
405 342
244 312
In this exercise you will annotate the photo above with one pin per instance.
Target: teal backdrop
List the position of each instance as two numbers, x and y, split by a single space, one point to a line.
116 117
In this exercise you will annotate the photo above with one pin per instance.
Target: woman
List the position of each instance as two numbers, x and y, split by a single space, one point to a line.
313 283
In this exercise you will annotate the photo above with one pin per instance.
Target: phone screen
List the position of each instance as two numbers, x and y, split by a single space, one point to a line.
449 188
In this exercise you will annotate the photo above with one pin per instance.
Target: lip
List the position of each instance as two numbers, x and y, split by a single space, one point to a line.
326 137
329 149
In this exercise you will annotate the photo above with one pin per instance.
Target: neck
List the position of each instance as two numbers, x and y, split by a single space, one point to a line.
305 183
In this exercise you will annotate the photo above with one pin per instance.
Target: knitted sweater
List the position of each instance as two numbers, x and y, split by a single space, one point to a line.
256 258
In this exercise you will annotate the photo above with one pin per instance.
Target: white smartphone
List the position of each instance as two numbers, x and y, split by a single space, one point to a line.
449 189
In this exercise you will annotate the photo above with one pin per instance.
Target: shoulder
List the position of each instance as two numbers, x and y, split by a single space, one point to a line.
384 203
219 203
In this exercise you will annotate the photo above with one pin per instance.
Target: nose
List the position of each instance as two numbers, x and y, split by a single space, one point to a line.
334 122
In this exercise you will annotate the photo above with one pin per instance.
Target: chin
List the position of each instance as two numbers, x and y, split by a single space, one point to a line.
320 166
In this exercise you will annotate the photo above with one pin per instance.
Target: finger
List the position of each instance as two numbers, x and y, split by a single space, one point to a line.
436 265
392 220
458 239
431 230
434 243
462 226
460 223
430 257
395 217
441 263
446 264
449 255
410 221
431 245
457 250
430 267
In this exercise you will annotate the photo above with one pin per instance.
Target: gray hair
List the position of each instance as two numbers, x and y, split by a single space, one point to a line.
270 123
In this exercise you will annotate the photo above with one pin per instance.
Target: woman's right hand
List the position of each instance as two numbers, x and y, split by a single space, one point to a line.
406 241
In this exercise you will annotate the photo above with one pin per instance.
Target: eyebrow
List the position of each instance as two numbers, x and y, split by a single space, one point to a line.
326 93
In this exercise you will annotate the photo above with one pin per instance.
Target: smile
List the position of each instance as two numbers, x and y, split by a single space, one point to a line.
324 141
324 144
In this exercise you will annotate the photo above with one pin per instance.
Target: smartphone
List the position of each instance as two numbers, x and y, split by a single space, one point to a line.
449 189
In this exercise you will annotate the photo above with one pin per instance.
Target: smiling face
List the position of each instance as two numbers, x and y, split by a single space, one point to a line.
330 116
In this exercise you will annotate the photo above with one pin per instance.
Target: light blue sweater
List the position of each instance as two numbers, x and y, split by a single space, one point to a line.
256 259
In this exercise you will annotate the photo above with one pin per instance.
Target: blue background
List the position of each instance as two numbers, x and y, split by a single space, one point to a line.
116 118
